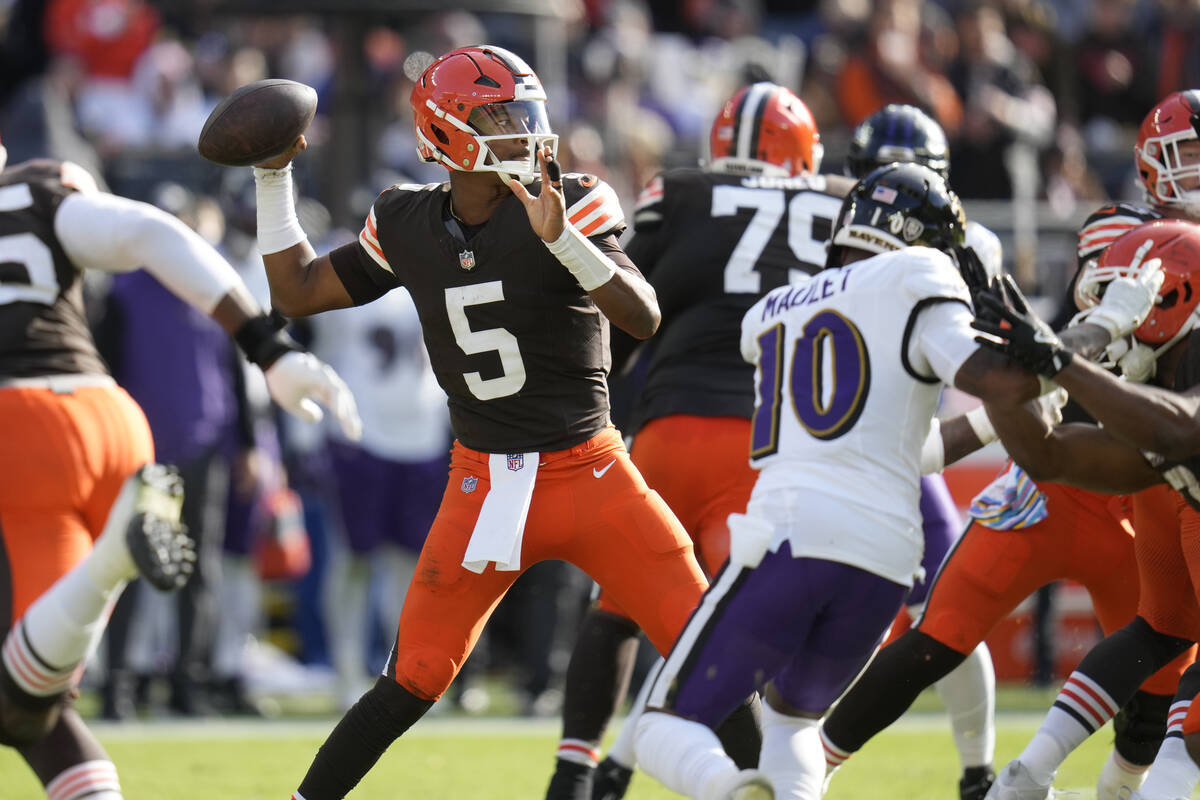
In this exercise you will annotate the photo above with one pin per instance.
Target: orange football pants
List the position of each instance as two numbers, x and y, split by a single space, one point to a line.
1168 559
63 459
1087 538
590 507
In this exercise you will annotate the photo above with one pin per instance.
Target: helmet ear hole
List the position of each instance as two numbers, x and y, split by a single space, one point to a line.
440 135
1169 300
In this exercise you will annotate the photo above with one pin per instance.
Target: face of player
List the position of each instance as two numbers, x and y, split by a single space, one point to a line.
1189 156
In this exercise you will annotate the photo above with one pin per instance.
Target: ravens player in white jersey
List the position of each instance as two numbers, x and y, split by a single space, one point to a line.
711 240
849 366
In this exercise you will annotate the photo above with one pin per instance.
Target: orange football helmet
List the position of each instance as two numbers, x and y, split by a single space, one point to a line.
1160 165
1173 245
482 109
764 129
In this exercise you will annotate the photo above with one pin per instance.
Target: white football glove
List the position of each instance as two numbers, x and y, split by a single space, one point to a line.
301 383
1127 301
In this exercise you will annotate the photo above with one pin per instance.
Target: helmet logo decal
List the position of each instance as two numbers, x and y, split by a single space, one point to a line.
913 228
884 194
895 219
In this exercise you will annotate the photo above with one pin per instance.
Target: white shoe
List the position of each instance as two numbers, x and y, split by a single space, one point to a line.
749 784
1015 783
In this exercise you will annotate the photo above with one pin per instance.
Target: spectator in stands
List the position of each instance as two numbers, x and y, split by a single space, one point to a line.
888 69
1115 69
1005 105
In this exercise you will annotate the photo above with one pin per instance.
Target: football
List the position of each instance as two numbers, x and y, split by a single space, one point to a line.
257 122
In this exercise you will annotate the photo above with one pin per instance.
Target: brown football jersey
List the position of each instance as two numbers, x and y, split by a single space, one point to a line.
43 327
712 244
520 349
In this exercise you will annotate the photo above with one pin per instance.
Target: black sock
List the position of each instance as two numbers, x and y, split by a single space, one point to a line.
899 673
1120 662
367 730
741 733
598 674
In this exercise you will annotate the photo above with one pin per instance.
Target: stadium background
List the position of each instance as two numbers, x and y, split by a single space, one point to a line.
1040 99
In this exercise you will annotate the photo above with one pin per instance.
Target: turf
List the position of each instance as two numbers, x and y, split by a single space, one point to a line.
492 759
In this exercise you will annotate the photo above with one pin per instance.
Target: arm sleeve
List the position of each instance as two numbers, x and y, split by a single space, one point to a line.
115 234
942 339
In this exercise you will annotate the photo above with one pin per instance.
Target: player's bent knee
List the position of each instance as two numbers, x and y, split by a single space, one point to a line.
24 719
425 672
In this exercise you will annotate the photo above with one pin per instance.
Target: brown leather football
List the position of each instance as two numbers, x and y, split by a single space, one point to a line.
257 122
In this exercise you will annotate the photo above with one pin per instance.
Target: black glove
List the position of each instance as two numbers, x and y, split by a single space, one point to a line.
971 268
263 339
1022 336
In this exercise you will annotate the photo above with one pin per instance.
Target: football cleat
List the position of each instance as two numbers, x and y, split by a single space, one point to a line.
1015 783
611 781
158 542
975 787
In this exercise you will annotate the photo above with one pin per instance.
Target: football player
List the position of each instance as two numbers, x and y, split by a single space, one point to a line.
905 133
711 241
82 509
850 364
1151 435
1042 531
515 272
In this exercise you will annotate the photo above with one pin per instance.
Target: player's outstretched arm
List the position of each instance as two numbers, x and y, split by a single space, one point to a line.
116 234
1078 454
302 283
623 295
1146 417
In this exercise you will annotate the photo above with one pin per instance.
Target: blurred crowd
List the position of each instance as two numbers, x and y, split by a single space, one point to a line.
1040 100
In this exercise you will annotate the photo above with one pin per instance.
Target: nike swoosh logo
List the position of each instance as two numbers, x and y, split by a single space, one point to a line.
599 473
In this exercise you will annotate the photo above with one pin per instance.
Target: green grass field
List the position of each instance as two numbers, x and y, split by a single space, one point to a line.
496 759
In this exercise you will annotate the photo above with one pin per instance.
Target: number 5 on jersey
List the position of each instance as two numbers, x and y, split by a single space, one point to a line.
492 340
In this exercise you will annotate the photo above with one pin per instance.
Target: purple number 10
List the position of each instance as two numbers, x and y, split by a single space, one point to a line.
826 412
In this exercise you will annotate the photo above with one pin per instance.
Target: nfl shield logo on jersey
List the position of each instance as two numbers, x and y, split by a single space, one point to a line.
466 259
516 461
469 483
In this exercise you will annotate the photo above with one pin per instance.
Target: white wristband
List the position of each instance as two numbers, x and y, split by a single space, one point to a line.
977 418
582 258
278 227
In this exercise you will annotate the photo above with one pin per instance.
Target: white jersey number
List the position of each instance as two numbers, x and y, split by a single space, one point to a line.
741 277
492 340
26 263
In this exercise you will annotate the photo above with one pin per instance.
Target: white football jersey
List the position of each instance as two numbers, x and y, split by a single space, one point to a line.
378 350
850 364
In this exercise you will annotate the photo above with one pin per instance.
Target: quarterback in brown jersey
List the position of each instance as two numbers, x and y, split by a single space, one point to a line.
515 275
82 509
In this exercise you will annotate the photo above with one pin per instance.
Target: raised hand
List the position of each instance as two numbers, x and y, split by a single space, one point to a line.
1013 329
548 211
301 383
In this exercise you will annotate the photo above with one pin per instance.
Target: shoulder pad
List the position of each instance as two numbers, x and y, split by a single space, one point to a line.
592 205
931 273
1107 224
414 187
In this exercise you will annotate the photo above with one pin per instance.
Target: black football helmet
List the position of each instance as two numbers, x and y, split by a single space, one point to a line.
898 133
897 206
